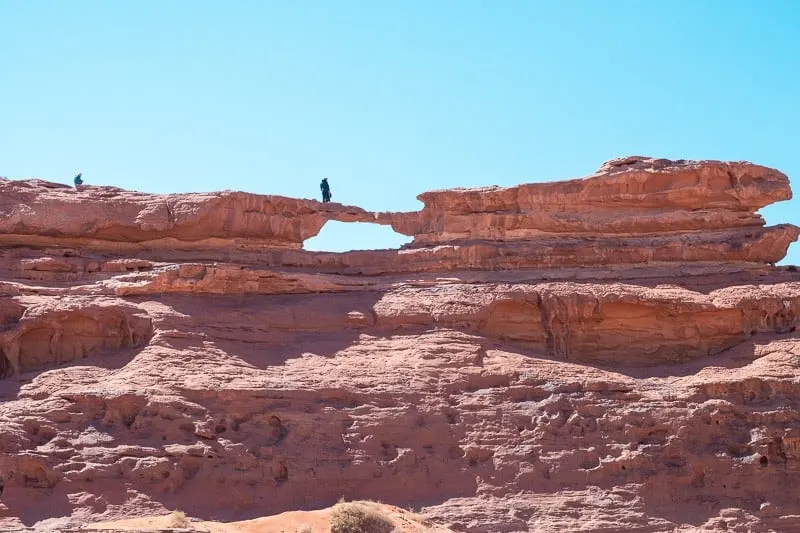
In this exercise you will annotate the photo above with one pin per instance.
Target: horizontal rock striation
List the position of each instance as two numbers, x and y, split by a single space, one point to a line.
40 333
634 195
117 215
614 353
465 400
633 211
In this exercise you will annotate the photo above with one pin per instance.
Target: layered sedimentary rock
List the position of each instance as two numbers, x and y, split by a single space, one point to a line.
633 195
633 210
534 375
117 215
42 332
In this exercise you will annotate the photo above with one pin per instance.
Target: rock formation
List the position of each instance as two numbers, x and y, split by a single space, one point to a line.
631 196
612 353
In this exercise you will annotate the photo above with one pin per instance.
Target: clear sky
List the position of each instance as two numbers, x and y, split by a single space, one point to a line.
391 98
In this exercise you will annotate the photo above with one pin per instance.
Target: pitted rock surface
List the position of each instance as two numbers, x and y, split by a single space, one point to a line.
614 353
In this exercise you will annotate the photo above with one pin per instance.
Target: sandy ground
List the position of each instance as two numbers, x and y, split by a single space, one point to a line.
289 522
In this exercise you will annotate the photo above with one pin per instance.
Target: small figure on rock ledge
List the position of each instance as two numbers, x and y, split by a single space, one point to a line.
78 181
326 191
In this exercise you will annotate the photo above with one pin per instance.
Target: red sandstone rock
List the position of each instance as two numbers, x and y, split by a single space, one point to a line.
118 215
633 210
549 381
633 195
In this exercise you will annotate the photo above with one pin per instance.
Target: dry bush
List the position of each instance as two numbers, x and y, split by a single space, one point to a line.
359 517
305 529
178 519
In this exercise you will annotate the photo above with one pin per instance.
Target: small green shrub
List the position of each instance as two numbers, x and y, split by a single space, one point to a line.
359 517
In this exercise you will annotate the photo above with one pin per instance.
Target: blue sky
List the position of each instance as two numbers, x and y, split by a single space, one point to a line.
391 98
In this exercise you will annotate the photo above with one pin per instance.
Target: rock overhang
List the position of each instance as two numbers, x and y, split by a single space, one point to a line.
607 350
652 205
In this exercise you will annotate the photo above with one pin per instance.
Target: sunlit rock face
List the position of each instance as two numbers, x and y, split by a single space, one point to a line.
611 353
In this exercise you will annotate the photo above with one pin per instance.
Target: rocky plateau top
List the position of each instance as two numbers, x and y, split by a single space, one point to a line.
611 353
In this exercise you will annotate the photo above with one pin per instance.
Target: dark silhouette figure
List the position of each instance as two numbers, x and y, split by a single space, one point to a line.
78 180
326 191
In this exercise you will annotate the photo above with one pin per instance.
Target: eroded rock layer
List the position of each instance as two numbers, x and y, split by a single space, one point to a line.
124 216
639 381
633 210
634 195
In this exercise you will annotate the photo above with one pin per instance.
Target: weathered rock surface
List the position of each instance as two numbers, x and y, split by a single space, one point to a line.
43 332
634 195
557 380
118 215
633 210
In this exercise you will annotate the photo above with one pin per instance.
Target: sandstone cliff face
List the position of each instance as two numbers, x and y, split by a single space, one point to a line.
627 196
633 210
628 372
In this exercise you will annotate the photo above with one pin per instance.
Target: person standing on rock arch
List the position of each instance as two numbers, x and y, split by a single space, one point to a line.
326 191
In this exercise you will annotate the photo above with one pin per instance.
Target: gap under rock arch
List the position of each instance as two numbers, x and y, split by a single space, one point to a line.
348 236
